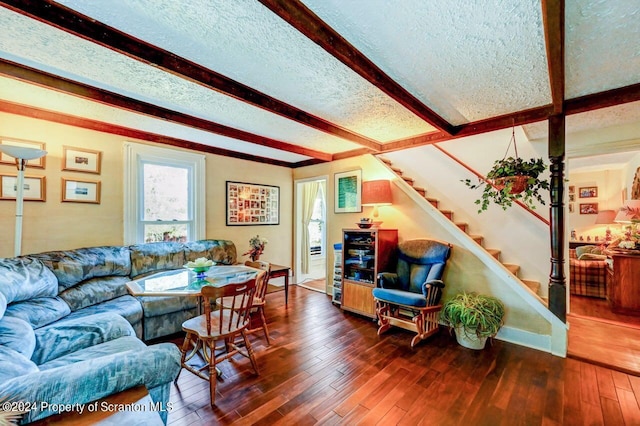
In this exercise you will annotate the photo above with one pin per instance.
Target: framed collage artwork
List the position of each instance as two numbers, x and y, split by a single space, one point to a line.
252 204
348 192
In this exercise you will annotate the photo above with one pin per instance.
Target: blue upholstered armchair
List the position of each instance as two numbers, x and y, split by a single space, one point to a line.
409 298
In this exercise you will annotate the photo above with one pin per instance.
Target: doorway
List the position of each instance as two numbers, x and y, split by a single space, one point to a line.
311 233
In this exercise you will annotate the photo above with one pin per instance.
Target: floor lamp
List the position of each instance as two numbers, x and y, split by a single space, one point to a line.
22 155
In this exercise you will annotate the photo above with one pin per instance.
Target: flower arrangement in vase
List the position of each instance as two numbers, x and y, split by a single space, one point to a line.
256 247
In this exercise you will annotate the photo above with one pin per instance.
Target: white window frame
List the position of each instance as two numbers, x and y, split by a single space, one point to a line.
137 154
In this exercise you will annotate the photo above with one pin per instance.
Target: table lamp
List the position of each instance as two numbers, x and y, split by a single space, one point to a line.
22 155
606 217
376 193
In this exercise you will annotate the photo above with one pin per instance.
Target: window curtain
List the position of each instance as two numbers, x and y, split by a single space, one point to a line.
309 195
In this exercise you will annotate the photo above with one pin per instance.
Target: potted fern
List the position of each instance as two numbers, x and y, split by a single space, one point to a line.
474 317
512 179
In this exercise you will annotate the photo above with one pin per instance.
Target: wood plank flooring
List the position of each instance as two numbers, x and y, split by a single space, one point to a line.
329 367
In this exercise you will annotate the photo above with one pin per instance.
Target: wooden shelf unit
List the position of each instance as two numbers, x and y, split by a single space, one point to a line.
623 283
365 253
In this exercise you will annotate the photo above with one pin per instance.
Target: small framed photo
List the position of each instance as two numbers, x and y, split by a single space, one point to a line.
572 189
571 208
348 192
81 160
588 192
34 188
7 159
572 197
80 191
589 208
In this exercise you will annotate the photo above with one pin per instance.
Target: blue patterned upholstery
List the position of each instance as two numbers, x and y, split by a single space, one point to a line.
17 335
155 257
419 262
14 364
24 279
220 251
94 291
39 311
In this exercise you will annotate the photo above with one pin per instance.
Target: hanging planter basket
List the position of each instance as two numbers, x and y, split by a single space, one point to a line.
516 184
512 179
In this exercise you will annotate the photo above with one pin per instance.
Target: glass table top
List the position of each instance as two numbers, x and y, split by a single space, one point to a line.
183 282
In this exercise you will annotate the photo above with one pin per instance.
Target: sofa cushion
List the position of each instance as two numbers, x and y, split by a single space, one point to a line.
588 249
126 306
22 278
94 291
14 364
592 256
220 251
109 347
152 257
3 304
18 335
74 266
155 306
72 334
39 311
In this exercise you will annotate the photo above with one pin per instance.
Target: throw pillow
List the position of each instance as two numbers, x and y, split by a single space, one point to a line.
592 256
588 249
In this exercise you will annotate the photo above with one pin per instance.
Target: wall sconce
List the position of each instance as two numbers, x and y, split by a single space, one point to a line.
376 193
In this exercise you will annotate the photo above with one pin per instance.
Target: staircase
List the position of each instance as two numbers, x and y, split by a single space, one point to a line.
514 269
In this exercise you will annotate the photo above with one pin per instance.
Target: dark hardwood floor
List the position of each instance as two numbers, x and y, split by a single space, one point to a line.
329 367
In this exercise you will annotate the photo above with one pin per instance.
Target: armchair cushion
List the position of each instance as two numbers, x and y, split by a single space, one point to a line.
400 297
388 280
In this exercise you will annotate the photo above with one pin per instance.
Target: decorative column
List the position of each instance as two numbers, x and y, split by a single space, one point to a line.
557 279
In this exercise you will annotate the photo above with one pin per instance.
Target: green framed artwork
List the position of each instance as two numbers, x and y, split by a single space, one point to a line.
348 192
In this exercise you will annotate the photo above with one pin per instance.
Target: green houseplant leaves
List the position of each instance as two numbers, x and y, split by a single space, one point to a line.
478 315
505 196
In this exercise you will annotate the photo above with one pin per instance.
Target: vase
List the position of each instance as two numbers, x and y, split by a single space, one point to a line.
469 340
518 183
255 257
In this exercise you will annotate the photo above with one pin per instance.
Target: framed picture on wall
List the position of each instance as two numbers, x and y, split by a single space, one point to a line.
252 204
571 208
348 192
34 187
588 192
81 160
589 208
7 159
80 191
572 189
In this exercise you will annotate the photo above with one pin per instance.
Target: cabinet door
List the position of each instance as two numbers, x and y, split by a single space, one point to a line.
358 298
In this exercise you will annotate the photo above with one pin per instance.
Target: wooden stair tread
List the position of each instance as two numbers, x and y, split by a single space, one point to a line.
420 190
447 213
477 238
408 180
433 201
396 170
494 252
385 160
533 285
463 225
514 269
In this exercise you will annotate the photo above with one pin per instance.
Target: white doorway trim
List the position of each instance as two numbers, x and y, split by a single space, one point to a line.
316 273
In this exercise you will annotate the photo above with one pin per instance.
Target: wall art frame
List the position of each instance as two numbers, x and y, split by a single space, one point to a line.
7 159
588 192
588 208
80 191
81 160
34 187
252 204
348 192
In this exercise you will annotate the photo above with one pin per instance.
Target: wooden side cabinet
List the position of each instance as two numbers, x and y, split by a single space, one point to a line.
624 284
365 252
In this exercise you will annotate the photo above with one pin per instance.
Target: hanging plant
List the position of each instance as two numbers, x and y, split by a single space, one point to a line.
512 179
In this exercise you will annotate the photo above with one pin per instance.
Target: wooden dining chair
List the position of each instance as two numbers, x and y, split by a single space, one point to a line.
259 300
221 325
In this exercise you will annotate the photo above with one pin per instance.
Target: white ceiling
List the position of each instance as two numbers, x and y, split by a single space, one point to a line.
465 60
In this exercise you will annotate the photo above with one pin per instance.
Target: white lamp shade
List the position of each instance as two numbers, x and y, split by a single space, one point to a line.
22 152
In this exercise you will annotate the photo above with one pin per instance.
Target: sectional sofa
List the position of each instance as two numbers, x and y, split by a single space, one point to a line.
71 334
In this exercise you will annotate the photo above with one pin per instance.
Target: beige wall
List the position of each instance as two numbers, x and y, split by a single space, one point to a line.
54 225
465 272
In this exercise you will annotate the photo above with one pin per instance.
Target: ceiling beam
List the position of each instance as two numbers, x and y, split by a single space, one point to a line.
43 79
304 20
99 126
553 19
66 19
605 99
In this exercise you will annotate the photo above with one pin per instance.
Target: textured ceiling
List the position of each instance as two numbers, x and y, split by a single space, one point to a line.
464 60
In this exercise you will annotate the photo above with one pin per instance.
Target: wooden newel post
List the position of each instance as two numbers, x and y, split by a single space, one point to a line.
557 279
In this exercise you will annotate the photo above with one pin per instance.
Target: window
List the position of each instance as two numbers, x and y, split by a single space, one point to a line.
164 195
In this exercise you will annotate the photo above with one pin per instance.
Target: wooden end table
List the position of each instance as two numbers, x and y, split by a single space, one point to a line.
278 271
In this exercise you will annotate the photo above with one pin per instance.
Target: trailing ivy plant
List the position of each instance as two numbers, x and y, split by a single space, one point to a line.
477 314
504 197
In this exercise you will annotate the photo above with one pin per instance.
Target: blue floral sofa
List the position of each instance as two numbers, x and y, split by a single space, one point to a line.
71 334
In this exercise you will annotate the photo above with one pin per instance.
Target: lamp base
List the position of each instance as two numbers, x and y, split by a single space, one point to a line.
376 224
